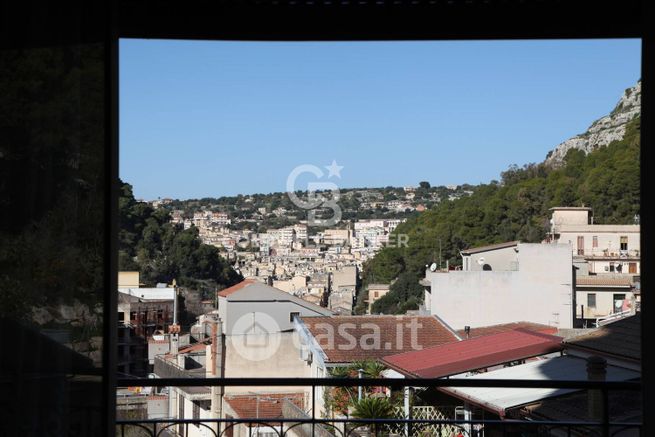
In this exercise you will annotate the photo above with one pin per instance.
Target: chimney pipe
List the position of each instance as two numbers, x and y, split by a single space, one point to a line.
467 330
596 371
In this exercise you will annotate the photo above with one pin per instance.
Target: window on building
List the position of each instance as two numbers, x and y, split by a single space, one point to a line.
618 302
624 243
591 300
580 245
376 294
594 241
632 268
293 315
612 267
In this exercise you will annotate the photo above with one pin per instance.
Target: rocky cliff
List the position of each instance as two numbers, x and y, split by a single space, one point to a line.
602 131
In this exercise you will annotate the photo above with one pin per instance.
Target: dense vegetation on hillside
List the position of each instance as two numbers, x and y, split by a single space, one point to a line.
161 251
516 208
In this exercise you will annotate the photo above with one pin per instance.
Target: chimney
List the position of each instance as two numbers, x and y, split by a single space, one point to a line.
467 330
596 371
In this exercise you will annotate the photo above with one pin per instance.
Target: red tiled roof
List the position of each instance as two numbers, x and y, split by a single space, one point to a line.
371 337
228 291
475 353
495 329
603 282
193 347
263 405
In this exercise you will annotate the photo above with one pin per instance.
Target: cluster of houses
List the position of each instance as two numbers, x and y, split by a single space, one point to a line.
516 311
320 268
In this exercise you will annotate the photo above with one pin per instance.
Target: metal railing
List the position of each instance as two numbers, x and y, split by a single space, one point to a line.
605 320
350 426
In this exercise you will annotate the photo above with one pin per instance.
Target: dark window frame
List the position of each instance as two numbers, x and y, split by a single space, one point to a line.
551 30
304 30
106 20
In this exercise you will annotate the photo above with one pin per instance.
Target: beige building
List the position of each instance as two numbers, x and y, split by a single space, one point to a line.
333 237
128 279
608 249
599 297
375 292
607 258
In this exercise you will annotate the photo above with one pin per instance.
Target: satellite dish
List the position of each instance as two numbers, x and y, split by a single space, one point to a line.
481 260
433 267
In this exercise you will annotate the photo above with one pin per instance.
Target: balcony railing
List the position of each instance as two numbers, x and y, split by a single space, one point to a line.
295 424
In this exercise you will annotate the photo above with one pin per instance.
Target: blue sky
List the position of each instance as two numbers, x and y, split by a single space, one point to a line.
205 119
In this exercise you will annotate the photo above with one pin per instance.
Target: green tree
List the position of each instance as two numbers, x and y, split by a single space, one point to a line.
607 179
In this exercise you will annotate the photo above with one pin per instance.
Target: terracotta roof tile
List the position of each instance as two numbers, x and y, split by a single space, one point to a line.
263 405
372 337
228 291
495 329
200 346
603 281
621 338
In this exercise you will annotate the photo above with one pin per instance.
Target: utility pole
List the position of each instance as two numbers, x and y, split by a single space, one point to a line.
439 253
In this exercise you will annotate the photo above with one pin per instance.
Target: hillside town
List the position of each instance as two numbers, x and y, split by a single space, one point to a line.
550 290
511 310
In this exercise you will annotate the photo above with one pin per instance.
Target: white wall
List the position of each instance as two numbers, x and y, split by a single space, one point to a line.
498 259
540 291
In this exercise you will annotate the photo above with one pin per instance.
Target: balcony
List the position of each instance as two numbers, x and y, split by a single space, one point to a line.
407 420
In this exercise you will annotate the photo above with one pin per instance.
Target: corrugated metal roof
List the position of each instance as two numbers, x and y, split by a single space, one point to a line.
560 368
476 353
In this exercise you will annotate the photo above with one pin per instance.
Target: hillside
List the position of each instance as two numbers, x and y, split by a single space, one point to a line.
603 131
260 212
161 251
516 208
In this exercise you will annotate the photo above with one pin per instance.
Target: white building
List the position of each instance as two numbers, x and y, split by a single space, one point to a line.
539 289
